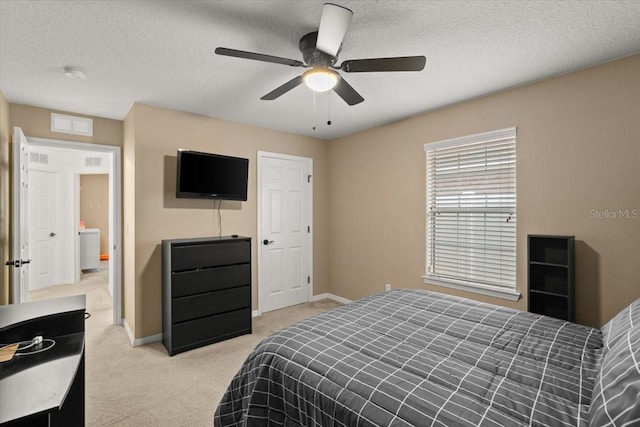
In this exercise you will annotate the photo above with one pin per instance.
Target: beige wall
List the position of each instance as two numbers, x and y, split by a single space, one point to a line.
36 122
5 132
578 149
128 220
94 206
159 215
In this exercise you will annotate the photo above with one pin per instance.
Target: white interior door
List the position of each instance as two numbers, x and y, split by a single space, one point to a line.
285 226
19 196
43 227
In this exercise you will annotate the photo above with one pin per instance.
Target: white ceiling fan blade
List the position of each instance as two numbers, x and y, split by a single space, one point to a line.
333 25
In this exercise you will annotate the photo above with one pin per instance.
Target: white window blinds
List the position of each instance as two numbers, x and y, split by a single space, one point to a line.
471 210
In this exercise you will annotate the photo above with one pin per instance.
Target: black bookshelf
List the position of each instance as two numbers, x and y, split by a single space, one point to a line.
551 275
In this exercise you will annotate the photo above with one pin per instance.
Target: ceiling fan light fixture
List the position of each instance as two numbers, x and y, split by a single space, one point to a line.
320 79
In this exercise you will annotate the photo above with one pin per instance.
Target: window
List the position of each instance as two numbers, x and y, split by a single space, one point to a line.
471 213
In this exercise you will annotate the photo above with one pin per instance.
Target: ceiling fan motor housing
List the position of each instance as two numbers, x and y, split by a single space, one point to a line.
312 56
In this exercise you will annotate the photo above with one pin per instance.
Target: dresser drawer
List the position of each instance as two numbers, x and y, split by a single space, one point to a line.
189 257
193 307
213 279
212 329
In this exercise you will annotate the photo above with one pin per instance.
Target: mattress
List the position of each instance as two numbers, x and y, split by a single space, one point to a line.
410 357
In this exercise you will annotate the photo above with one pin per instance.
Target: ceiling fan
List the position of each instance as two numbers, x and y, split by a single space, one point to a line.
320 51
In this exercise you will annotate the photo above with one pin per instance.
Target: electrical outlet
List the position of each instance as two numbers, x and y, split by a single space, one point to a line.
388 287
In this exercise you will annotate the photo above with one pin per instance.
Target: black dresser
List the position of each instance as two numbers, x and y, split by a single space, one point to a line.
206 291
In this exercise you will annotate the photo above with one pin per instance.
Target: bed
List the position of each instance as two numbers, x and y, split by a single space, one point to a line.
417 358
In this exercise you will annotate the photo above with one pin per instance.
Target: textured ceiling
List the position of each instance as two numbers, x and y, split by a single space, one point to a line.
162 53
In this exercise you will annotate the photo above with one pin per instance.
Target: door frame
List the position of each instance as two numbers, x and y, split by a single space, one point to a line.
19 155
261 155
115 251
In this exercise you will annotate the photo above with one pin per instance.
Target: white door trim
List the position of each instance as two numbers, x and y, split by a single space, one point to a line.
262 155
115 248
76 220
19 217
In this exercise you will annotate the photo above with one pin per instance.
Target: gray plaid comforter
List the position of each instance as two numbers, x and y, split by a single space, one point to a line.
409 357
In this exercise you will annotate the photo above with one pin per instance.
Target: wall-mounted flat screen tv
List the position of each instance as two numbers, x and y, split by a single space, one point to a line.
211 176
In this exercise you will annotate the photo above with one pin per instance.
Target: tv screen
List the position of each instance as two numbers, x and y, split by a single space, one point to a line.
211 176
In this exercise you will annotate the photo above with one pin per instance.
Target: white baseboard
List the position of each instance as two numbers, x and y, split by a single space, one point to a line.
147 340
332 297
128 331
256 313
136 342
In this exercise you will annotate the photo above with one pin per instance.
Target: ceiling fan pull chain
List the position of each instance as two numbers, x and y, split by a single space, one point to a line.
329 108
314 110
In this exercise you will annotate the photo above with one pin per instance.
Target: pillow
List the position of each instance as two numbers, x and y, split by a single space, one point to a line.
616 395
620 323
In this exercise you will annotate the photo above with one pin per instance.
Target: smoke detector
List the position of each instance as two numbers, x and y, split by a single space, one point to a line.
75 73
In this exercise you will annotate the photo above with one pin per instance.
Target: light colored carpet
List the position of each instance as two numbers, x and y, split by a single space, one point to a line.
144 386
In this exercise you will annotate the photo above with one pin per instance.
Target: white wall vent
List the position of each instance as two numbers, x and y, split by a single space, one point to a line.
39 158
71 124
93 161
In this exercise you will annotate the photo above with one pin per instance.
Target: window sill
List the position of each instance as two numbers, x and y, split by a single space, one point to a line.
492 291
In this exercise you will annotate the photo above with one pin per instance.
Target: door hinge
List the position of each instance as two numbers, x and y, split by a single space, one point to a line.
308 178
308 229
309 279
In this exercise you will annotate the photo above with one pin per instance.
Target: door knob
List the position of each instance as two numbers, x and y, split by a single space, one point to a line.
18 262
267 242
52 234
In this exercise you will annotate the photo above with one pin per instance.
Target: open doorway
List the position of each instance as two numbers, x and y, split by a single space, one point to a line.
57 172
93 206
53 273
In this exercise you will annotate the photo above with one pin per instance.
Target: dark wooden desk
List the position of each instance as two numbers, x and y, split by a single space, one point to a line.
47 388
